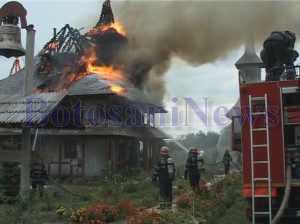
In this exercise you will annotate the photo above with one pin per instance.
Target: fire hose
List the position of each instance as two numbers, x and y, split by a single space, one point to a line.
213 164
286 195
57 184
236 166
217 163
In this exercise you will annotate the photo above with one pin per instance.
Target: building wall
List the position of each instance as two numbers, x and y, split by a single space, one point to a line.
50 146
94 157
87 159
90 155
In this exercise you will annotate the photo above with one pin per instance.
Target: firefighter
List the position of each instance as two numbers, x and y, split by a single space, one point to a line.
227 158
278 51
192 168
38 175
295 160
164 172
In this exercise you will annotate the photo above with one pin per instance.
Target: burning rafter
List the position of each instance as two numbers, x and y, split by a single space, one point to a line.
73 59
66 45
67 40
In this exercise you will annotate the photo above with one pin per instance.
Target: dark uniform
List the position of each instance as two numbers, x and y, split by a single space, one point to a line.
191 168
295 160
279 51
38 175
164 172
227 158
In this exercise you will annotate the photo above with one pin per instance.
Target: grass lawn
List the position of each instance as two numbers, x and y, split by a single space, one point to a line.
130 197
237 212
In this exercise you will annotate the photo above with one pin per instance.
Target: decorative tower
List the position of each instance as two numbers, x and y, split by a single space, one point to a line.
106 17
106 37
249 65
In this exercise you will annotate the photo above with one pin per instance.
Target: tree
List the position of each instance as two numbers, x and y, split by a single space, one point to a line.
203 141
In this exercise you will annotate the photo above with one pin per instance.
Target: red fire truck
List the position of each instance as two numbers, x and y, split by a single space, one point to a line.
270 144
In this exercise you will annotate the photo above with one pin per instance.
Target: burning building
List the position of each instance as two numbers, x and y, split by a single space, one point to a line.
82 115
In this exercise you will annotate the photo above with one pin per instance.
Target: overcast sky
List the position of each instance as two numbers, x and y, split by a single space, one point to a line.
199 46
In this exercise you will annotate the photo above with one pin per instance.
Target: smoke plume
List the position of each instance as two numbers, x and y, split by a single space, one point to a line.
198 32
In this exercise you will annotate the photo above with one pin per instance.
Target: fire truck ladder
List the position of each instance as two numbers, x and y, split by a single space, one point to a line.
259 102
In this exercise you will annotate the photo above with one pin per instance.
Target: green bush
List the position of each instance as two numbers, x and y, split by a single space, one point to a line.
9 177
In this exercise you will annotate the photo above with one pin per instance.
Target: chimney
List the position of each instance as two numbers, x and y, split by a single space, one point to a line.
249 65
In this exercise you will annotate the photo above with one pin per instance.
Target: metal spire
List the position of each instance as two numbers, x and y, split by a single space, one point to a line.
106 17
249 57
249 65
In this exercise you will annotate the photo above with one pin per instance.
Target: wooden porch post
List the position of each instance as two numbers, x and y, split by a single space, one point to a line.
60 156
145 154
151 145
107 162
117 158
83 158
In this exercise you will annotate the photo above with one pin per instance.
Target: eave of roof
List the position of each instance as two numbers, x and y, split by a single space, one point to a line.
17 109
135 132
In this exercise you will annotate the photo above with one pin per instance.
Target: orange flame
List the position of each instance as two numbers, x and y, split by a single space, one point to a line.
53 45
106 72
117 89
114 74
117 26
111 73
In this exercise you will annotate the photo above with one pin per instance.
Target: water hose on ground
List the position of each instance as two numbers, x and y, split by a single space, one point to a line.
286 196
53 181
